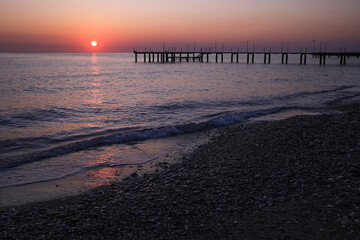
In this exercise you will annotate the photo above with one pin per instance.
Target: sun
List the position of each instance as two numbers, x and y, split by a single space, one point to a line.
93 43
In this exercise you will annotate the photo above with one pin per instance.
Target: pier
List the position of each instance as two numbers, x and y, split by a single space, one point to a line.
204 56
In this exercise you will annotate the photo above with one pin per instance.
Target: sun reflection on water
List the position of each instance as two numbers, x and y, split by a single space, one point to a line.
96 83
102 176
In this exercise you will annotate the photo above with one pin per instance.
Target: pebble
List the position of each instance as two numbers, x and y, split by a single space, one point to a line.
350 236
342 203
330 180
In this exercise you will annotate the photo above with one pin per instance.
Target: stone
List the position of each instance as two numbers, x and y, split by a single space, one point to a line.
342 203
330 179
350 236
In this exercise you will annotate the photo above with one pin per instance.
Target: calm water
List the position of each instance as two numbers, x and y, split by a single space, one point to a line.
61 113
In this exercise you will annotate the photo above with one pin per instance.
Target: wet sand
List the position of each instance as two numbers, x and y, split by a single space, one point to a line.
297 178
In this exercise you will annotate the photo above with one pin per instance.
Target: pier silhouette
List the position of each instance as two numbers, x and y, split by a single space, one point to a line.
204 56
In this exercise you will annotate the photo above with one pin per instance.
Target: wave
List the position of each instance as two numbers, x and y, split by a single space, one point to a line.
31 115
345 98
136 135
79 170
313 93
253 101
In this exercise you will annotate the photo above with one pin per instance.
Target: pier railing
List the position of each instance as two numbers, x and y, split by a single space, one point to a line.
203 56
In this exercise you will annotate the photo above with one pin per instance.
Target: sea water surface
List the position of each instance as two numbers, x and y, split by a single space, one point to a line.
63 115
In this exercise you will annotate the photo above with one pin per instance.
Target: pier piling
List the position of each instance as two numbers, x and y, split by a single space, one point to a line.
265 56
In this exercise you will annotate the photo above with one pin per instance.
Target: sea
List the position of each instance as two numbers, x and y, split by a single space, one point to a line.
70 121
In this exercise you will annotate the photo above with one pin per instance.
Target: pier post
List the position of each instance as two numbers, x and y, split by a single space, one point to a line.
157 55
324 59
187 56
247 58
237 57
207 57
149 57
287 58
222 57
180 57
153 56
264 58
216 57
282 58
144 57
270 57
193 56
342 58
232 57
136 57
303 58
320 57
253 56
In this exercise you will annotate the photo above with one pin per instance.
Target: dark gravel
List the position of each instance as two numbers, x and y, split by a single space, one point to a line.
293 179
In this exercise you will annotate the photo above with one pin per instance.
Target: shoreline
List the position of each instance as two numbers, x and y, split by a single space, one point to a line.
290 179
165 151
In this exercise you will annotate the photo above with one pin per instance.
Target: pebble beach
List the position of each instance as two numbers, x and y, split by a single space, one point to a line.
297 178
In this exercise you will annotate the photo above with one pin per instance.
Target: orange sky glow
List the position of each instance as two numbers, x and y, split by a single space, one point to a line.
120 26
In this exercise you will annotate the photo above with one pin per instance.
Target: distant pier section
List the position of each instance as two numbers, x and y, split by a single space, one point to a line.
249 56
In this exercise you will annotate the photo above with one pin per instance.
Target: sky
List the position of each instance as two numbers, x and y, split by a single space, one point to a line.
122 25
